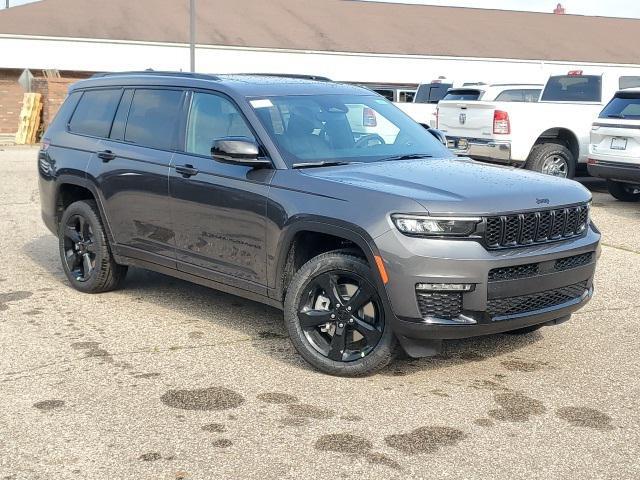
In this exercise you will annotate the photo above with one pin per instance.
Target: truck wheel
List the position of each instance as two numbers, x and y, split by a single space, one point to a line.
335 316
623 191
85 252
552 159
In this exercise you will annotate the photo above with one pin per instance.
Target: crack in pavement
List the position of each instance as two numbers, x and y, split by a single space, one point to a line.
616 247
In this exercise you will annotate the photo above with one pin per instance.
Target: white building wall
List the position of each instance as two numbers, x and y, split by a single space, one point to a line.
101 55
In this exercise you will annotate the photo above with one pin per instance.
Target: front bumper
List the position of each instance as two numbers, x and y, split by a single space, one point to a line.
621 171
481 149
495 305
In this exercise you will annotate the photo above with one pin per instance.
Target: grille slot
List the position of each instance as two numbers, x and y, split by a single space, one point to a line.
573 262
439 304
499 307
511 273
535 227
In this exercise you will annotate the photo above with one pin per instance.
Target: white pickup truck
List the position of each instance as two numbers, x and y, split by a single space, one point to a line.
549 136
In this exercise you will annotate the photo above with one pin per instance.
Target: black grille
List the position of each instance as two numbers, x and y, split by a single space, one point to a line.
439 304
573 262
499 307
535 227
510 273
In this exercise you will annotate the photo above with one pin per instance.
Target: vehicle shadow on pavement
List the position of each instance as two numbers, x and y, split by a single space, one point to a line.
261 324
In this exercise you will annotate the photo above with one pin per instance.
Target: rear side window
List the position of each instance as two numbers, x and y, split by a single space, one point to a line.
573 88
629 82
463 95
94 113
153 118
623 105
519 95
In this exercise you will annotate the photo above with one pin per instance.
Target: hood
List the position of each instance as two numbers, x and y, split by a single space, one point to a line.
459 185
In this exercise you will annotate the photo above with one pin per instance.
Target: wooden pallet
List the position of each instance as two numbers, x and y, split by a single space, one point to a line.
30 116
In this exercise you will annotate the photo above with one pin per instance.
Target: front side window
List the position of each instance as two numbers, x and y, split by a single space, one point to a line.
94 113
573 88
212 117
350 128
153 118
624 106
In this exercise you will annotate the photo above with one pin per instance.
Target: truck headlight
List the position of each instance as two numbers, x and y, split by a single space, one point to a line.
423 225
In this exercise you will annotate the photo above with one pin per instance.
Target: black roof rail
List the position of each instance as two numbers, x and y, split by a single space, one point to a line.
203 76
291 75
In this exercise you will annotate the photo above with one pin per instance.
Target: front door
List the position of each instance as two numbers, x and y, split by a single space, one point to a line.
219 210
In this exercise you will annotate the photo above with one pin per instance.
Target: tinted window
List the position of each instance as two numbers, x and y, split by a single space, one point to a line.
120 120
406 96
432 92
153 118
573 88
94 113
623 105
520 95
388 94
349 128
212 117
629 82
462 95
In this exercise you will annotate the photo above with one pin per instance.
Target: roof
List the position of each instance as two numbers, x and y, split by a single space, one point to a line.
338 25
250 85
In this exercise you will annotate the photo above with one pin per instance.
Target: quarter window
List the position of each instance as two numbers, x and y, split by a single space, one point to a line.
94 113
153 118
213 117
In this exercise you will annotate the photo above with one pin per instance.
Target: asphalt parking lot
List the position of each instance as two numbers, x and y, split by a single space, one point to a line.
167 380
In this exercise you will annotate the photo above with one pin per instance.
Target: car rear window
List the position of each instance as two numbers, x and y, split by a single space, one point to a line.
463 94
153 118
623 105
94 113
573 88
519 95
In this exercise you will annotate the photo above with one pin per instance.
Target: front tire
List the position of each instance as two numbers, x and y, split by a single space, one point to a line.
84 250
552 159
623 191
335 316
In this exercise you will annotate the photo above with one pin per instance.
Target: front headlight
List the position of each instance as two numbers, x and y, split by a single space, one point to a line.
435 226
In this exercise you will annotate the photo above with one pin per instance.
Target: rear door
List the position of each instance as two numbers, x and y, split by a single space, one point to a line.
132 170
219 210
616 133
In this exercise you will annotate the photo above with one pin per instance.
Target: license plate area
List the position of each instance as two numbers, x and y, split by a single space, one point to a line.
618 143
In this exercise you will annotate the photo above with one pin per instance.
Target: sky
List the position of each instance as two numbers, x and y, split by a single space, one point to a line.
607 8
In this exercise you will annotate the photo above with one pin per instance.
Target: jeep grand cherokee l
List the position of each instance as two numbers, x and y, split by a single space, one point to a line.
258 186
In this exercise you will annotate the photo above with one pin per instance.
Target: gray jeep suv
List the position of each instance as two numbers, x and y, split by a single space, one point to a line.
318 198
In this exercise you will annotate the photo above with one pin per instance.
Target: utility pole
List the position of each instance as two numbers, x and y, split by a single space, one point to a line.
192 34
7 4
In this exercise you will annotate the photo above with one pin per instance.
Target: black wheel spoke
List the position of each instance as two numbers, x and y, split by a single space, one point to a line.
84 231
370 333
72 259
90 247
86 265
72 234
338 344
313 318
361 298
329 283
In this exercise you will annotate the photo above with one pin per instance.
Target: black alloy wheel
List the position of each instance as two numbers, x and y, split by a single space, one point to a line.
79 248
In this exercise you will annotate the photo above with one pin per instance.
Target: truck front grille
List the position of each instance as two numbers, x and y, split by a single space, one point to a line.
499 307
515 230
533 269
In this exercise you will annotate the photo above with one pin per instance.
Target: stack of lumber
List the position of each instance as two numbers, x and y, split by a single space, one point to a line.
30 116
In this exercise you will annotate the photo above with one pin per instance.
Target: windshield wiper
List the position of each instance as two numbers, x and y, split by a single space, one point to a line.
319 164
410 156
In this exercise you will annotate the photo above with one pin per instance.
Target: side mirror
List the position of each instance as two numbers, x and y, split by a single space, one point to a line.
238 151
440 136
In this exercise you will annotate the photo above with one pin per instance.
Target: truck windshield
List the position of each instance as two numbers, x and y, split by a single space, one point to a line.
345 128
573 88
623 105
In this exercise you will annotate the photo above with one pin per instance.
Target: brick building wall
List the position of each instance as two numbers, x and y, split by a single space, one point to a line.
53 90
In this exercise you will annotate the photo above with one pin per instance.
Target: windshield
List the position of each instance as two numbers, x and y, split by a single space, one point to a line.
573 88
345 128
623 105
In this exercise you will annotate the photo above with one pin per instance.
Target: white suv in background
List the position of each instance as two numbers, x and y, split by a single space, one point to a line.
497 92
614 150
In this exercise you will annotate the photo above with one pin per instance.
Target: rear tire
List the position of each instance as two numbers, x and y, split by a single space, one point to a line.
623 191
329 302
84 250
552 159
